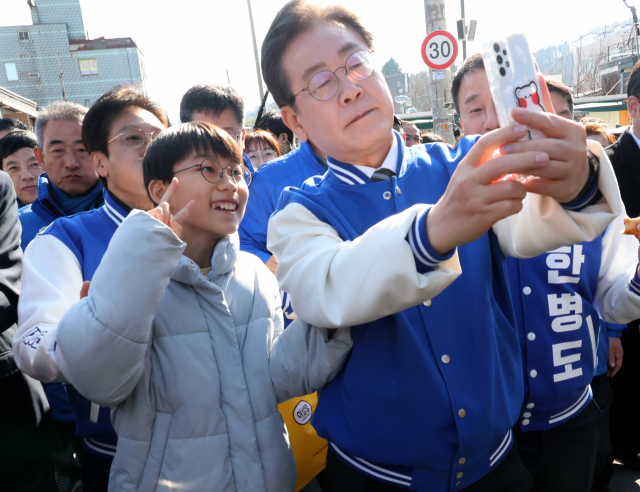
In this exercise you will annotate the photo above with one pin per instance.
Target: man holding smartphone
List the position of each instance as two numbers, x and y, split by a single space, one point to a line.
433 386
558 299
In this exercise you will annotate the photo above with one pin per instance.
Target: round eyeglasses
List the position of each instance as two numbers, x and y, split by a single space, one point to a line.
213 172
134 137
324 85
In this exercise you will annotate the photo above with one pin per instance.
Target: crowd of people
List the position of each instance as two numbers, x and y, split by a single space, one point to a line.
178 302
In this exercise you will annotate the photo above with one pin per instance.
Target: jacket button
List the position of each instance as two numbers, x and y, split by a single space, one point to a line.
427 303
459 475
526 415
533 373
386 195
526 291
525 422
398 190
446 359
531 405
192 264
462 461
531 337
458 484
462 413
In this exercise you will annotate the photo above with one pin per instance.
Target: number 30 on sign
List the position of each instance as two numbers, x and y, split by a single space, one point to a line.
439 50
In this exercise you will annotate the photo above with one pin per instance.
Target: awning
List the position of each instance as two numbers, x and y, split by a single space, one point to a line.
601 107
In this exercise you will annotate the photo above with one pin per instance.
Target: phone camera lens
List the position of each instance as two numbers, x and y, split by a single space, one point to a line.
499 60
496 47
503 72
507 64
504 52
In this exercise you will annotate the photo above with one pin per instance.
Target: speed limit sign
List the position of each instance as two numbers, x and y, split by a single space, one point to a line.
439 50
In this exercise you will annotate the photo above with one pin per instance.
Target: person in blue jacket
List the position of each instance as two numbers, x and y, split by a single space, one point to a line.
220 106
433 386
557 297
116 133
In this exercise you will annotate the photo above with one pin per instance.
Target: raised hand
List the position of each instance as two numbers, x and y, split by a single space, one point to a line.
163 211
477 197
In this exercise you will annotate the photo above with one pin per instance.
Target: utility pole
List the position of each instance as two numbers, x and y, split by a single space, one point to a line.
464 41
64 95
439 90
255 51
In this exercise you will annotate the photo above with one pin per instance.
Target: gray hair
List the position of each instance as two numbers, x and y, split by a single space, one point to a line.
66 111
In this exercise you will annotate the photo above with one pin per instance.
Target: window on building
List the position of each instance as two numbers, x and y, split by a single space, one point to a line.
12 71
87 102
23 35
88 66
29 75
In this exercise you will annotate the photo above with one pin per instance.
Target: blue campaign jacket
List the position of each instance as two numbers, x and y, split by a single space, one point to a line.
33 218
87 235
558 326
270 179
431 393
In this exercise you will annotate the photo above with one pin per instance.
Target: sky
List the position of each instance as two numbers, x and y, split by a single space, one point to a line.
185 43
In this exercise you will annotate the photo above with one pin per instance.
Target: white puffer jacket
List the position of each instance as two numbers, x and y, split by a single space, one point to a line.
195 366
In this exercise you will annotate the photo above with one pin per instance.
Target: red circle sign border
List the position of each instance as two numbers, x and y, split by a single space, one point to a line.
454 42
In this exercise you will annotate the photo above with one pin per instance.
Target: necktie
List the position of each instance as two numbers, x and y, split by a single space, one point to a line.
382 174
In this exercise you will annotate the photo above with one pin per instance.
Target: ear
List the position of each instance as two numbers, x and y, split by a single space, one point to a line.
634 106
283 138
244 133
40 158
100 163
157 189
292 120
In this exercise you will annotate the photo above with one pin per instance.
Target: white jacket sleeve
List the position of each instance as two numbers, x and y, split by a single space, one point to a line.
615 299
51 283
544 225
103 339
335 283
304 359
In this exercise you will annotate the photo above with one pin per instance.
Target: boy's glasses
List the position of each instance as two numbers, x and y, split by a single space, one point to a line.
324 85
213 172
134 137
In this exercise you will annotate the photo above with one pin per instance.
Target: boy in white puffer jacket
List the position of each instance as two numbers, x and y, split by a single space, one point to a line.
182 333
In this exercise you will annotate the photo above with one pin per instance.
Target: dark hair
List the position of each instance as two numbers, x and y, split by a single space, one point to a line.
272 121
211 99
633 82
472 63
295 18
14 141
261 137
11 124
177 143
561 89
98 120
429 137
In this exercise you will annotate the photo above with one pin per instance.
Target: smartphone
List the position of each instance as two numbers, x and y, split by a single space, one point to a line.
513 79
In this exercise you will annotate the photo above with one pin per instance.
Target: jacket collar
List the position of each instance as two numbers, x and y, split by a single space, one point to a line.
223 261
350 174
45 199
114 208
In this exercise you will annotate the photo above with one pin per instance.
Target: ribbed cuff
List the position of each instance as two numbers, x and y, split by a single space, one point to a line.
427 259
634 285
591 198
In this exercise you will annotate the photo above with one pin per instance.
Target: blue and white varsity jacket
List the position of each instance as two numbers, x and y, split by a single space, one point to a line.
270 179
557 299
433 386
56 263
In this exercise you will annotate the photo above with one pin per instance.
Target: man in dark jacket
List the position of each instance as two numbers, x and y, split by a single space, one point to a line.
625 158
27 430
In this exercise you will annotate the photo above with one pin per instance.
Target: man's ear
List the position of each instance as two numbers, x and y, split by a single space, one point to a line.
40 158
99 161
292 120
244 133
633 104
283 138
157 189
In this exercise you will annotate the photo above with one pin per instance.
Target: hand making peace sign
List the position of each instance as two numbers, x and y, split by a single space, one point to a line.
163 211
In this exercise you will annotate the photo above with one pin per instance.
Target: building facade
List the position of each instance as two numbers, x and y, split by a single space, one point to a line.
53 59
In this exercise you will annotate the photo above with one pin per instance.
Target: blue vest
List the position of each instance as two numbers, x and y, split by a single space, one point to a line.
558 326
87 235
430 393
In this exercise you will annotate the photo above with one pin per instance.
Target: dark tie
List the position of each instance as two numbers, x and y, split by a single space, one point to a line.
382 174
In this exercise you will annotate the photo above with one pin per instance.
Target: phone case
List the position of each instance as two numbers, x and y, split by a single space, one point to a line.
513 79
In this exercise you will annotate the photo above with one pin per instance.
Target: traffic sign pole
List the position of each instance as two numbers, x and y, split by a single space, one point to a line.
439 51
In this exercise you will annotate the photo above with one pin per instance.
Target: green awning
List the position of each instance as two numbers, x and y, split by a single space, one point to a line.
601 107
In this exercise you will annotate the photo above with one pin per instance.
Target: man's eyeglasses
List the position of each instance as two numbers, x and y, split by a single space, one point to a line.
324 85
213 172
134 137
416 139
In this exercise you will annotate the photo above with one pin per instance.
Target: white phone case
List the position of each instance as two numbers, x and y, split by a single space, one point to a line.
513 79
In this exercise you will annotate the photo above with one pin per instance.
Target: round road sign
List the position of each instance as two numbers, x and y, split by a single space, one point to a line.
439 50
